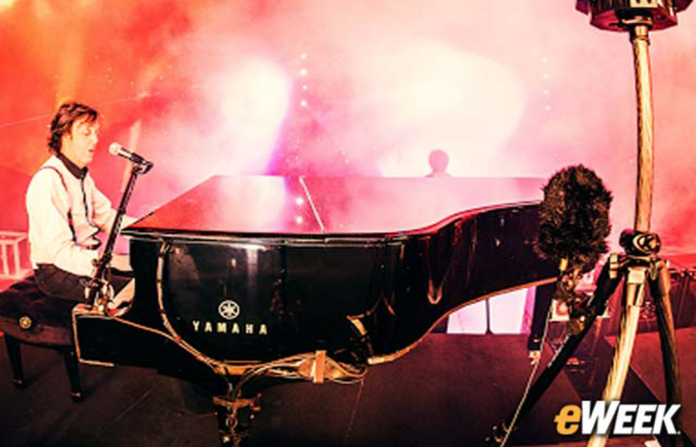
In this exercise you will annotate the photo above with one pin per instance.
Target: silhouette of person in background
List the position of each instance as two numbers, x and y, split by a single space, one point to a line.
438 160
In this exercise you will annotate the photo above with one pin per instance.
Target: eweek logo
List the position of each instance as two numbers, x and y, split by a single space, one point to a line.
615 418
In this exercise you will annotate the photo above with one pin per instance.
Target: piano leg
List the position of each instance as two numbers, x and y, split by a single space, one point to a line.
71 367
234 419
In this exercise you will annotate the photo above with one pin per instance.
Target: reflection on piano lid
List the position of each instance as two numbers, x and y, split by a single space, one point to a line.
315 206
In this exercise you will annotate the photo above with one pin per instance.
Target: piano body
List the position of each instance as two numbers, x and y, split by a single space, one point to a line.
242 271
315 278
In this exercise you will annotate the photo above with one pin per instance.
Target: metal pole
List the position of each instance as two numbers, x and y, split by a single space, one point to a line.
646 126
636 275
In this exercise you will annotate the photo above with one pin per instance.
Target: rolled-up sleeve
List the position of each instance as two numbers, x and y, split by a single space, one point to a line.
51 237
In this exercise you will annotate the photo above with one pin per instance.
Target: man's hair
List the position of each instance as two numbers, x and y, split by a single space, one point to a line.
66 115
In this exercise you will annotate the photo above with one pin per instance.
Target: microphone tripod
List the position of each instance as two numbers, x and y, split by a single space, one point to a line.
98 290
640 263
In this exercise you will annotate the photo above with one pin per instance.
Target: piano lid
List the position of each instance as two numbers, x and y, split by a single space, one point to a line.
328 205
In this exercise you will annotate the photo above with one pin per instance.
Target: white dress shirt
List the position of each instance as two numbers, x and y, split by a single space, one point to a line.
51 199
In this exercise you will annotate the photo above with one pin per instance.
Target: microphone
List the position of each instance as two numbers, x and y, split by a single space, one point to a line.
574 219
117 149
573 227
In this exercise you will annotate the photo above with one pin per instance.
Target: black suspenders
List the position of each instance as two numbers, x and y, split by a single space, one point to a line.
96 241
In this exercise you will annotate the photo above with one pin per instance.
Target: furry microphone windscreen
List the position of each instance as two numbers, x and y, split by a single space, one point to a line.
574 218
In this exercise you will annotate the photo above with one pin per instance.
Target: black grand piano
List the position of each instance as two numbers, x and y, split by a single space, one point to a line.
313 278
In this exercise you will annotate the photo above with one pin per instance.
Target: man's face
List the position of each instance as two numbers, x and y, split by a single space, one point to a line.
79 145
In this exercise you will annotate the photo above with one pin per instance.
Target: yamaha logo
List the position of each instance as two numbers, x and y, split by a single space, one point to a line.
228 309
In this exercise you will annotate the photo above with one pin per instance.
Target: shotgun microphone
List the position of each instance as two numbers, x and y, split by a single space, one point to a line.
573 227
574 219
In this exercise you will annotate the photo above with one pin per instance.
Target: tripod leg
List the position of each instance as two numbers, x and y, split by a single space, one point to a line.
606 285
659 288
633 300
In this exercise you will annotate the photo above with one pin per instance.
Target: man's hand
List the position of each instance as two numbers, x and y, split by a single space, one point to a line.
121 262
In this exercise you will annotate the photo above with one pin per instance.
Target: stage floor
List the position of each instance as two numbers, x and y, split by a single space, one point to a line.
448 392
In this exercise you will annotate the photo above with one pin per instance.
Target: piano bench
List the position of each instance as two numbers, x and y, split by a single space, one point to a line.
28 316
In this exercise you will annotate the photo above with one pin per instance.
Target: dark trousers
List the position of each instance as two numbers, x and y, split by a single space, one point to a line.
54 281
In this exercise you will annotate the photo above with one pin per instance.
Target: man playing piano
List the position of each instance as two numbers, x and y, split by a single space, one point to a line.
67 211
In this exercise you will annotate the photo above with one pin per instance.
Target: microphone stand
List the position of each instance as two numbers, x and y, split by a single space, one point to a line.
640 263
97 290
642 247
